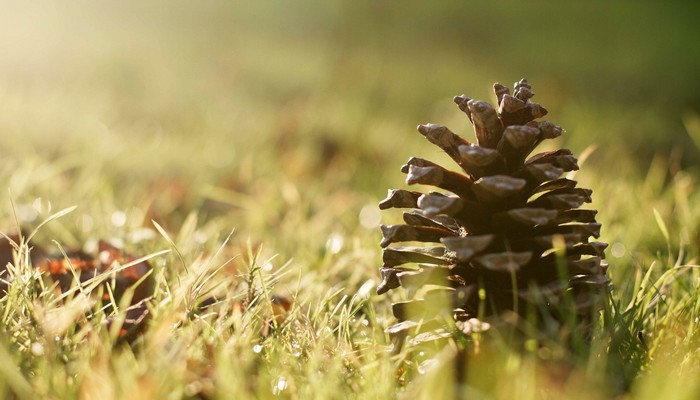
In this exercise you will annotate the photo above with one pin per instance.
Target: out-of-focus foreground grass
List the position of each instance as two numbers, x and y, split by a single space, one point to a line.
288 121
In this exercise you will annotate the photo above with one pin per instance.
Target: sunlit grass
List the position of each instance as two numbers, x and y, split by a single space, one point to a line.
245 158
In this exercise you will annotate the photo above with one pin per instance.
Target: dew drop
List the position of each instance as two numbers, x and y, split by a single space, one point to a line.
37 349
280 386
365 290
141 234
617 250
370 216
334 243
27 213
200 236
118 218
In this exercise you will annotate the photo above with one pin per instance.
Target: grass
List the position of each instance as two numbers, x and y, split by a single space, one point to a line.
286 126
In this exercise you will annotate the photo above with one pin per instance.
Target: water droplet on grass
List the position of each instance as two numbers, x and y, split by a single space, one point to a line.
365 290
617 250
280 386
370 216
118 218
27 213
142 234
37 349
334 243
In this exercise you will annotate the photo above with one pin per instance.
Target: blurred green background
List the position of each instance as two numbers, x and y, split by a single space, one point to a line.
289 120
253 110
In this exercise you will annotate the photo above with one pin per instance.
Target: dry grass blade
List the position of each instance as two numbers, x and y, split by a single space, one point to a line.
54 216
172 244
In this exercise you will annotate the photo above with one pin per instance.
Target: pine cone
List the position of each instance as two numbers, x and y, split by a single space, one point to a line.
497 226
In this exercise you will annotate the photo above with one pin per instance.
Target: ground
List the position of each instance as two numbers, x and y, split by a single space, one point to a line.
243 149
